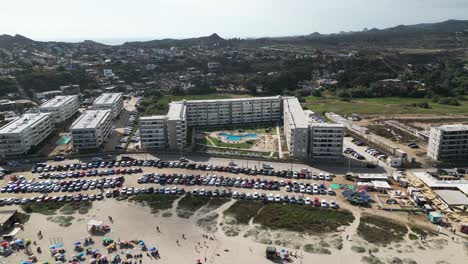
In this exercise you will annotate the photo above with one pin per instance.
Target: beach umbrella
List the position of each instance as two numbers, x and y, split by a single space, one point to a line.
128 252
80 255
26 262
57 255
59 245
283 250
104 257
77 243
197 261
19 241
141 242
152 249
52 247
4 244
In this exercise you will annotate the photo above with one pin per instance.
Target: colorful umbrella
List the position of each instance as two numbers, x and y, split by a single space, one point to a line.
77 243
152 249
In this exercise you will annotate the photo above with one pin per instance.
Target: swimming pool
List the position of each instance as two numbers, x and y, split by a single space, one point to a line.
232 137
63 140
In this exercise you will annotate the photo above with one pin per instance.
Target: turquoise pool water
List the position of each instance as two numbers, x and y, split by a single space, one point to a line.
63 140
231 137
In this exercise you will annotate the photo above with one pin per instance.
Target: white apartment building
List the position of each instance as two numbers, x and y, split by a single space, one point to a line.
448 143
153 132
177 125
91 129
296 128
61 107
326 141
111 101
233 111
18 136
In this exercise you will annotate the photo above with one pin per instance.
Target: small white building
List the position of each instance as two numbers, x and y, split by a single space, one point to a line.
91 130
110 101
61 107
394 161
108 73
18 136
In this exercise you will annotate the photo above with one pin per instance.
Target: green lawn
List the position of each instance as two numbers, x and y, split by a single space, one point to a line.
386 105
243 145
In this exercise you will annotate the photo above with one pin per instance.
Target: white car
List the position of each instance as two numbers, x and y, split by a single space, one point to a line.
278 198
328 177
201 192
255 196
288 188
271 198
235 195
307 201
324 204
333 204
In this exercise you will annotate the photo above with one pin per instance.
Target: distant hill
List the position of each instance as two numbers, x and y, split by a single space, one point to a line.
446 34
207 40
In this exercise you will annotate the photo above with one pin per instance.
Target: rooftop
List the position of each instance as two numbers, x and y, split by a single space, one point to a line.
58 101
452 197
5 215
176 111
107 98
152 117
433 182
23 122
233 99
292 107
90 119
455 127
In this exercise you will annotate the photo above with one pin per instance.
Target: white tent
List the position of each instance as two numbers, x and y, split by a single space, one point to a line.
381 185
93 224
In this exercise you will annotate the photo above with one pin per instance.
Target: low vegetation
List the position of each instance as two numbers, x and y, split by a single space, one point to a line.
156 202
50 208
244 145
302 219
382 105
316 249
380 231
243 211
61 220
21 217
80 207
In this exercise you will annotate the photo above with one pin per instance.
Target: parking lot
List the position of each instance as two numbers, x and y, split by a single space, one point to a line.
99 180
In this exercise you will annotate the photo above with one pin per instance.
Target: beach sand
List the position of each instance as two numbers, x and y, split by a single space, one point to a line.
133 221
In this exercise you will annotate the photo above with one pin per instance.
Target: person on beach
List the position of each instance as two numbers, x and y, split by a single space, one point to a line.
157 228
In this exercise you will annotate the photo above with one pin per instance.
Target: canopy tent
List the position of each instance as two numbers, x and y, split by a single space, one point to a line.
381 185
356 197
93 224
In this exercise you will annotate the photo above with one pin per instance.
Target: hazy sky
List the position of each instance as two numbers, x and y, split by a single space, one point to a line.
143 19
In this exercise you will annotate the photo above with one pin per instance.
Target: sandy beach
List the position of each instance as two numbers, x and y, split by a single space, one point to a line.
133 221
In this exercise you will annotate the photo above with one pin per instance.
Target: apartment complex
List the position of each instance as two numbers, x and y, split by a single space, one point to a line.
18 136
91 129
306 138
448 143
153 132
61 107
110 101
